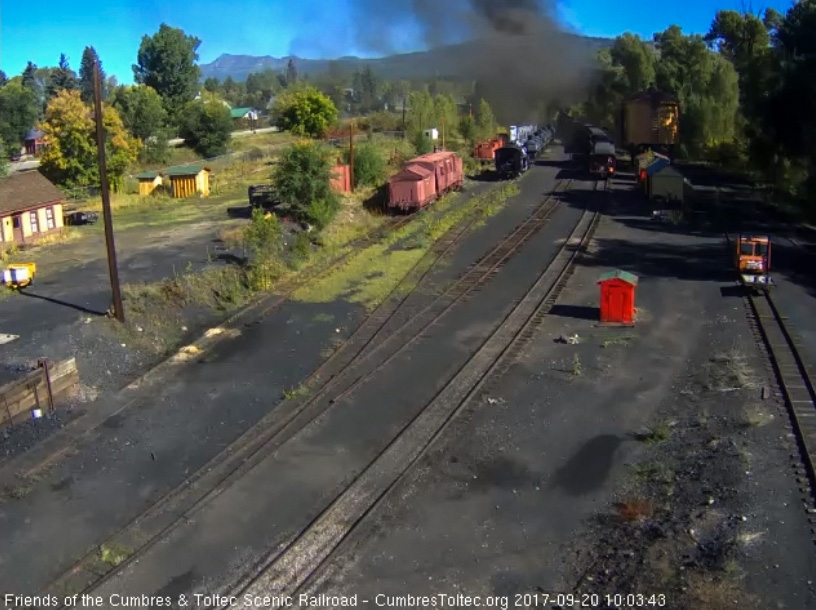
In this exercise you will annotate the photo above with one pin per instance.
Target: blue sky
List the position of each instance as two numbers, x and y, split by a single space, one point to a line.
270 27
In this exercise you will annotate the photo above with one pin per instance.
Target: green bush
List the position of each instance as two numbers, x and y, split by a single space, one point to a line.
369 166
422 143
302 179
385 121
206 126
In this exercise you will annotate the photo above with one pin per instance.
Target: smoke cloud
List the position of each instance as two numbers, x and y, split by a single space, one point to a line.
516 50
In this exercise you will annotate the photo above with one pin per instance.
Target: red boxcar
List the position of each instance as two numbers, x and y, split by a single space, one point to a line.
486 151
410 189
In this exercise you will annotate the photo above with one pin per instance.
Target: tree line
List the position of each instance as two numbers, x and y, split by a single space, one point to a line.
746 91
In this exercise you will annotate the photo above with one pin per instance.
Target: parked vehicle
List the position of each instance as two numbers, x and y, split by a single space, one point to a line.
80 218
752 257
19 275
262 196
485 151
424 179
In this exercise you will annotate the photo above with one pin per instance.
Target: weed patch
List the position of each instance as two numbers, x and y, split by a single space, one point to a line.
375 271
729 371
113 555
657 434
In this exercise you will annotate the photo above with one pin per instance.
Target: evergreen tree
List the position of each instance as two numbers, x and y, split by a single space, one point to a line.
30 77
86 75
62 79
291 72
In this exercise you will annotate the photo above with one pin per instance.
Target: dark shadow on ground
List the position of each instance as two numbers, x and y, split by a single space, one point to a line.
25 292
579 312
563 164
240 212
589 468
573 173
487 175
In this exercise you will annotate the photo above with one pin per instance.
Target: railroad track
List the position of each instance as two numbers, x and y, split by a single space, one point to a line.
285 570
349 367
795 384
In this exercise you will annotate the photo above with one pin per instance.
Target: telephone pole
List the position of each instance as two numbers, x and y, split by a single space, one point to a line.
351 156
118 310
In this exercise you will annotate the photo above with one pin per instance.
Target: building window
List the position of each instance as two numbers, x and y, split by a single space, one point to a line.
49 218
34 227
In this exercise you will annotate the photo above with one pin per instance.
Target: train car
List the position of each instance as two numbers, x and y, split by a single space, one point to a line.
752 258
424 179
511 161
650 120
412 188
602 160
485 152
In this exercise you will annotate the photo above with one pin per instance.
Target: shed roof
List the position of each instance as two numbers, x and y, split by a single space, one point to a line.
435 156
34 134
412 171
184 170
656 165
667 170
654 96
237 113
629 278
148 175
26 190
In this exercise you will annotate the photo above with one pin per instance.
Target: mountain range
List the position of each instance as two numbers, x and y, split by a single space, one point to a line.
438 62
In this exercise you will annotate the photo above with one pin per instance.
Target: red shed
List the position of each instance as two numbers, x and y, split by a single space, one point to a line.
618 297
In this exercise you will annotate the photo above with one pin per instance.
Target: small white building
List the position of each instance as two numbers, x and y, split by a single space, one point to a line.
432 134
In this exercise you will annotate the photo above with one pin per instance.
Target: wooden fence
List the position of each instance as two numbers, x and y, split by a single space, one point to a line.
38 389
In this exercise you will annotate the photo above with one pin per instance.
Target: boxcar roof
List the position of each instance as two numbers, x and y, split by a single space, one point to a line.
603 148
435 156
412 171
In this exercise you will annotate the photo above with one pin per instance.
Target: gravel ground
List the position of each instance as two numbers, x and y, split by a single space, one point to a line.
638 461
171 431
323 458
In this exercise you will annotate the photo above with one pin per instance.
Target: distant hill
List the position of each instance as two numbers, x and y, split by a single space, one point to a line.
438 62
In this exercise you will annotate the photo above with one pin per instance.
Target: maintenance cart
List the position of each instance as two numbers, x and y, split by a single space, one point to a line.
19 275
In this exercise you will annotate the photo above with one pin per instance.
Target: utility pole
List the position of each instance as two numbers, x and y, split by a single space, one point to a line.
118 310
443 132
351 156
404 103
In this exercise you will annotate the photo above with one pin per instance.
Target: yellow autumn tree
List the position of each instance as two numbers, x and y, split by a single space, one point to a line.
70 155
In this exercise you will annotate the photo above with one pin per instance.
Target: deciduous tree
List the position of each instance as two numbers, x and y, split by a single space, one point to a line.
305 111
70 155
18 112
206 125
141 110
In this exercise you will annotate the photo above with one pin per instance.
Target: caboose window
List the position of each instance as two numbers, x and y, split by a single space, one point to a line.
746 249
762 249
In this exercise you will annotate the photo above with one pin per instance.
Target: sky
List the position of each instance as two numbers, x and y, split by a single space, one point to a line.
307 28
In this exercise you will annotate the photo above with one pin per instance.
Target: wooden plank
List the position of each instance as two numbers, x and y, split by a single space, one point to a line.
18 397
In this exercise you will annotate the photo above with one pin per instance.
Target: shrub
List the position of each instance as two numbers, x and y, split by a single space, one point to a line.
369 166
422 143
302 178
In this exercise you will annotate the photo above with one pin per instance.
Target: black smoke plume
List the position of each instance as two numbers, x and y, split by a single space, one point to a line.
515 50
